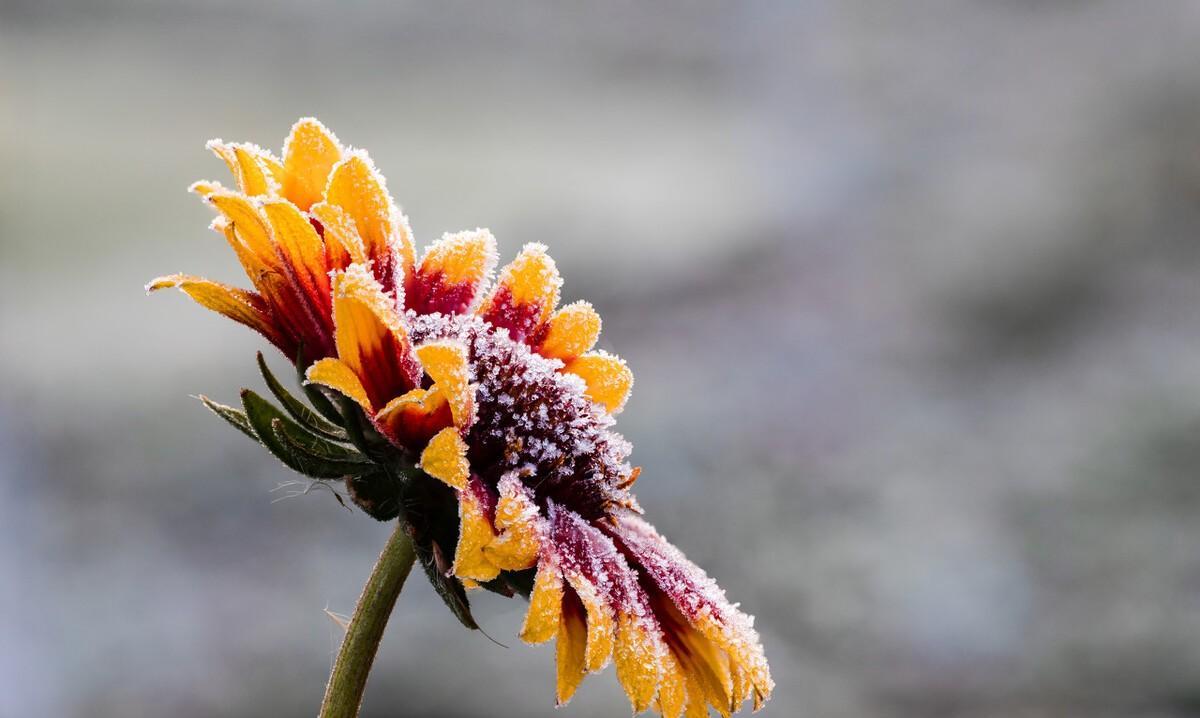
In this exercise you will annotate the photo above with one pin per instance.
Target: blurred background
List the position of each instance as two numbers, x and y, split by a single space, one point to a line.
911 292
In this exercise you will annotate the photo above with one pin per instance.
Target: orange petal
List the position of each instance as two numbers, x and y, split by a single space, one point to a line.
525 294
336 375
342 242
369 335
607 377
302 246
446 363
452 272
358 188
253 167
238 304
672 690
601 625
414 418
309 154
545 606
572 642
445 458
249 224
572 331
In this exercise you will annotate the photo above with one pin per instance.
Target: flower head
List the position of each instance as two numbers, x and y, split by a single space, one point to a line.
476 411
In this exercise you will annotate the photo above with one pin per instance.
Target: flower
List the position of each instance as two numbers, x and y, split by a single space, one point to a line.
495 394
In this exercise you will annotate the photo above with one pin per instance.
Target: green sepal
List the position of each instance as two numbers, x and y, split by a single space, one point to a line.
448 588
308 418
287 441
236 419
315 396
320 455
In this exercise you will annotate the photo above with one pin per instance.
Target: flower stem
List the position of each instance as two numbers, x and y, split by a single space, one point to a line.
343 694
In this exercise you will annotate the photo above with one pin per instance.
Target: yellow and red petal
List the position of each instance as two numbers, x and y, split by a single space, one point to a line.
517 542
412 419
572 331
370 337
607 377
309 154
302 248
239 305
249 224
445 458
672 688
337 375
639 659
355 186
525 294
452 273
446 363
571 649
343 245
545 605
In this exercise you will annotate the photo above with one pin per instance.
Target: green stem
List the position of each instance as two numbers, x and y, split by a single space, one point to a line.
343 694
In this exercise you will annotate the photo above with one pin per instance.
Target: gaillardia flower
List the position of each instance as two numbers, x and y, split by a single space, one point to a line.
475 411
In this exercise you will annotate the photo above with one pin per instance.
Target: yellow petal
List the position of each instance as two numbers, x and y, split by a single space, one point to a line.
638 660
446 363
545 606
672 690
572 331
336 375
341 236
252 166
525 294
238 304
475 532
517 543
309 154
607 377
572 642
601 626
249 224
445 458
452 272
358 188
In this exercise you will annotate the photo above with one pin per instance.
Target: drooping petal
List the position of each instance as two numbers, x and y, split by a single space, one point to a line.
572 647
525 294
516 545
309 154
607 377
572 331
452 273
370 337
447 364
545 605
445 458
238 304
475 532
337 375
355 186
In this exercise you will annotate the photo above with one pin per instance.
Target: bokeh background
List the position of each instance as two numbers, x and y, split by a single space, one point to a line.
911 291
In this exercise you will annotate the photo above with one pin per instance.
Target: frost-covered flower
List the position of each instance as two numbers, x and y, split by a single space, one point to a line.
475 411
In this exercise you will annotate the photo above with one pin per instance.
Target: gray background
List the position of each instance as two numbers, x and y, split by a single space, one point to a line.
910 291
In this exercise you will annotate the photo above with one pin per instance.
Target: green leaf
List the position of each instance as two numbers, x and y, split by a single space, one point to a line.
263 417
236 419
308 418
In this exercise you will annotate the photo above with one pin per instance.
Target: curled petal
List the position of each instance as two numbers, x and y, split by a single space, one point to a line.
445 458
414 418
452 273
309 154
525 294
249 224
475 532
343 245
572 331
607 377
446 363
516 545
369 336
572 648
337 375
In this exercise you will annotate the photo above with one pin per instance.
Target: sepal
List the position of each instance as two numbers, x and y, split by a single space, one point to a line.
307 418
